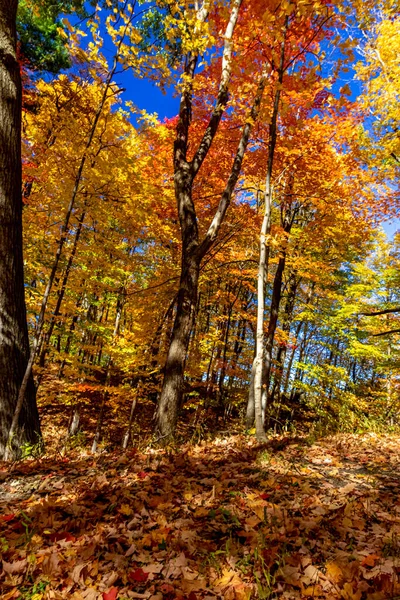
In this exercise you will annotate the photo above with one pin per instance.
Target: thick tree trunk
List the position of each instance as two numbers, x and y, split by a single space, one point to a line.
14 344
172 390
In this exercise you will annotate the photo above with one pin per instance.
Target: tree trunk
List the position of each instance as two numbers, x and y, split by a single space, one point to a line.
257 370
61 293
287 321
172 389
296 337
14 343
126 438
276 300
99 426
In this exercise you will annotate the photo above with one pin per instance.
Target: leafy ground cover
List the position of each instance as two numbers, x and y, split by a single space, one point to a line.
224 519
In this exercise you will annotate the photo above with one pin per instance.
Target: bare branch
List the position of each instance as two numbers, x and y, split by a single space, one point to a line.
386 332
381 312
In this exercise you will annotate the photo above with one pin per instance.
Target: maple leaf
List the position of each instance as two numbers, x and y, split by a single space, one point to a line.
111 594
138 575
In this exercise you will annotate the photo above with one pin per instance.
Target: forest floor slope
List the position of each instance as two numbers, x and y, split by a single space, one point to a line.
224 519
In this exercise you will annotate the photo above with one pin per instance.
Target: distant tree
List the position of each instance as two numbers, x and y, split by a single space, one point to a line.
39 28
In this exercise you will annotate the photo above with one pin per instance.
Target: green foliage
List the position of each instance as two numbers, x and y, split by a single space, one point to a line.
40 31
38 26
33 592
154 35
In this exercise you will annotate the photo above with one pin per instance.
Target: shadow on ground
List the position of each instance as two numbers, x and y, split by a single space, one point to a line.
231 519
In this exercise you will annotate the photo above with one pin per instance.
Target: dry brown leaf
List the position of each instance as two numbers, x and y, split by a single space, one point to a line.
18 566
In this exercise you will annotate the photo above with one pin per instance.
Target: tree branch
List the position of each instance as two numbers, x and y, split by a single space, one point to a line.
386 332
381 312
215 225
222 97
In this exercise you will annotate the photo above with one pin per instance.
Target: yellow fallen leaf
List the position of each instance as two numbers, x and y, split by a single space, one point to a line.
228 578
349 594
201 512
334 572
126 510
312 590
243 591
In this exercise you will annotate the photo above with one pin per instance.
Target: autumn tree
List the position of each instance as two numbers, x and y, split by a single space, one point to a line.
199 25
14 345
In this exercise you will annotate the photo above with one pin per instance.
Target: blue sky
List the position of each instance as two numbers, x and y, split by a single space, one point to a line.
145 95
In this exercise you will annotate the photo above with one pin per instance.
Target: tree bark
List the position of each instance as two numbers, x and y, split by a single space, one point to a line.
172 390
14 343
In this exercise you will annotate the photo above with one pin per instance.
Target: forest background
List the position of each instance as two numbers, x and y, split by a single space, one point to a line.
228 261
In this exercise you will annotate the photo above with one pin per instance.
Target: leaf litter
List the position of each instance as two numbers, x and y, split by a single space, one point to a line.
225 519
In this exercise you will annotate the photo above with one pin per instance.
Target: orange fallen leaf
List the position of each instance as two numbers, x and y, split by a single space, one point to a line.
370 560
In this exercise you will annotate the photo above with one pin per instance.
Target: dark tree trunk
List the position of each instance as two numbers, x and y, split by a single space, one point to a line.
14 344
274 310
286 323
172 389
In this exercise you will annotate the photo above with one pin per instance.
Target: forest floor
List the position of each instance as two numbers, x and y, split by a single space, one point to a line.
221 519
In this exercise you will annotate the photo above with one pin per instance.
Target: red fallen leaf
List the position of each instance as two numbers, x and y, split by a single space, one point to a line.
142 475
111 594
264 496
192 596
61 535
166 588
138 575
7 518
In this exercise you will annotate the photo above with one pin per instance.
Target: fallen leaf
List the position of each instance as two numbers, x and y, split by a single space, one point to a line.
111 594
370 560
139 575
18 566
